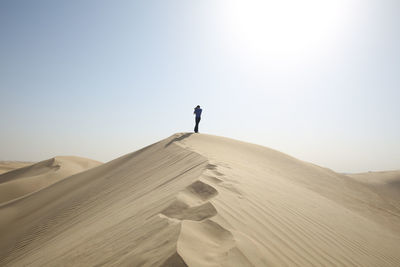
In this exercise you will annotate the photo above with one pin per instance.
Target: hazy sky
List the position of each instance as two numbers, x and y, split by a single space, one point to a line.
319 80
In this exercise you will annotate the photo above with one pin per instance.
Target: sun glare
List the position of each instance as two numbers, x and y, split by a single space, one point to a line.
285 28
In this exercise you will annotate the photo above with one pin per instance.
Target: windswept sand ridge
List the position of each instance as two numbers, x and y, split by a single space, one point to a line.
110 214
299 213
201 200
6 166
25 180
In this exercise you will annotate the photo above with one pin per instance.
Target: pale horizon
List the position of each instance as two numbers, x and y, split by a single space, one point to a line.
317 80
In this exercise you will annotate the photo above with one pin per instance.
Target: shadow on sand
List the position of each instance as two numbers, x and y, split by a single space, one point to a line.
179 138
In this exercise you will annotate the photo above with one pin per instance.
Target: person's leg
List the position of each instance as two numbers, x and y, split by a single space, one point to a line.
196 128
198 121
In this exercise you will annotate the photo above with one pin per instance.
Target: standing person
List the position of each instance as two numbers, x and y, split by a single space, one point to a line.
197 111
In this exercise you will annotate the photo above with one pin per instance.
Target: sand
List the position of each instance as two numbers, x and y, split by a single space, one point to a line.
23 181
386 184
6 166
202 200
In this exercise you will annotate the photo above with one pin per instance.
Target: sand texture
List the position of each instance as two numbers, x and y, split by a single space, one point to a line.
202 200
385 184
20 182
6 166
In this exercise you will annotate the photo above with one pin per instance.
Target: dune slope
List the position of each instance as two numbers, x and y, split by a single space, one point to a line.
22 181
6 166
386 184
201 200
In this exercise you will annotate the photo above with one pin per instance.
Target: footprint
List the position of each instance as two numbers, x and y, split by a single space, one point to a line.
190 204
213 179
175 261
211 166
201 190
207 240
182 211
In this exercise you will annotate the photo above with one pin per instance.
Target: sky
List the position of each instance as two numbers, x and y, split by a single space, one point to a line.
316 79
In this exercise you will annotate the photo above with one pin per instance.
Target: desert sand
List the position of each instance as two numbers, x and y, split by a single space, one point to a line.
23 181
386 184
6 166
202 200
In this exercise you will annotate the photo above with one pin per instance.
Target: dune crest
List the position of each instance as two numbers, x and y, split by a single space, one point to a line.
22 181
202 200
6 166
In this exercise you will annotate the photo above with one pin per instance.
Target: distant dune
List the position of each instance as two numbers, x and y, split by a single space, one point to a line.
23 181
202 200
386 184
6 166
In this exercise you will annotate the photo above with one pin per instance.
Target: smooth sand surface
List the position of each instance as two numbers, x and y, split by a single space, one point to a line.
202 200
22 181
386 184
6 166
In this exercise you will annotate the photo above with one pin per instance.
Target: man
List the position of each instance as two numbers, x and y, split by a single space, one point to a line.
197 111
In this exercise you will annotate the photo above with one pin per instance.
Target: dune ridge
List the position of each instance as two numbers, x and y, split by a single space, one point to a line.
23 181
201 200
6 166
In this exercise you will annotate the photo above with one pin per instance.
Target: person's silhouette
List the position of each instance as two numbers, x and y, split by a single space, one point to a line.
197 111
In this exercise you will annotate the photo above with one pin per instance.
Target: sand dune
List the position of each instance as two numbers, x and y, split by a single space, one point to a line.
6 166
23 181
202 200
386 184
